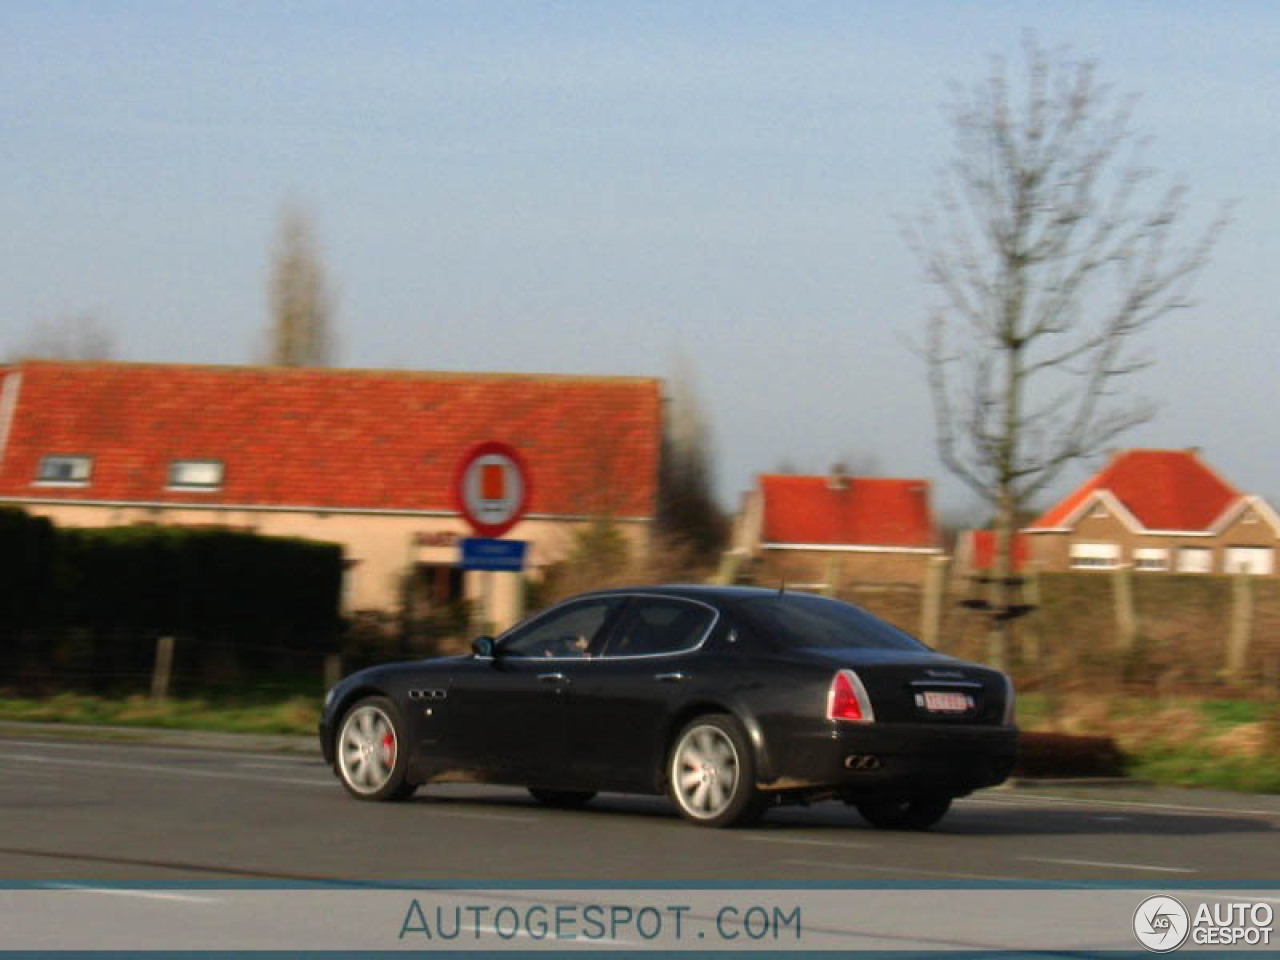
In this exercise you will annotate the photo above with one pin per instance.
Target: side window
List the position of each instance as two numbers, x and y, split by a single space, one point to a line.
563 633
653 625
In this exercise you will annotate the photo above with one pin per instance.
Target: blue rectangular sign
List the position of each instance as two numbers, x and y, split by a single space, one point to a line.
485 553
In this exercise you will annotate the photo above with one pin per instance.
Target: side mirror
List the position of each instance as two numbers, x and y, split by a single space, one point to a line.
483 647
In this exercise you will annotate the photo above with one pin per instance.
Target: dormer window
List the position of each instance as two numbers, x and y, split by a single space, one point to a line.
64 470
195 475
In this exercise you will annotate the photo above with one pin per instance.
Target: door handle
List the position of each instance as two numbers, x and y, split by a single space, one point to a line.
670 677
553 678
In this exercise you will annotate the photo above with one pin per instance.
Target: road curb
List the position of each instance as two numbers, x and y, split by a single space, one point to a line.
1031 783
163 736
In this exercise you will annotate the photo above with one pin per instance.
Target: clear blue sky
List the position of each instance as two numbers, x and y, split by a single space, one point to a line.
592 187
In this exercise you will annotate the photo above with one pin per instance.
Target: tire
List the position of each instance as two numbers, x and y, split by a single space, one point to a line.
711 774
565 799
904 813
369 751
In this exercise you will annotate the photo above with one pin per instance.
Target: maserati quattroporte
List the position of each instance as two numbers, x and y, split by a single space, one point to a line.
729 700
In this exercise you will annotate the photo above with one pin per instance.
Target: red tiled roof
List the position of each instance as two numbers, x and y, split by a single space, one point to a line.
982 544
332 438
868 511
1163 489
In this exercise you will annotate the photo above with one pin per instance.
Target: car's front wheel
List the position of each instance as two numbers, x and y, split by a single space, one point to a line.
370 754
904 813
711 774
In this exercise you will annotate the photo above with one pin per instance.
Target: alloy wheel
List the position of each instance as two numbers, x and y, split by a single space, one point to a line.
705 772
367 749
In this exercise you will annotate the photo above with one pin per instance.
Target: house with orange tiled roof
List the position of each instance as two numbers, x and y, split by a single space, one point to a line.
362 458
1157 511
819 531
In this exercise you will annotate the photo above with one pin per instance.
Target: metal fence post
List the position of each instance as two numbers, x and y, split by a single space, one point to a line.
163 669
1126 614
332 669
935 586
1241 626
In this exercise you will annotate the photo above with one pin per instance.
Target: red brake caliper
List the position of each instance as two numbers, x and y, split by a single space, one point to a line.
389 746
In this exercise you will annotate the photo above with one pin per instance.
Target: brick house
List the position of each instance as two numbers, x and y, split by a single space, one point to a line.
807 530
1157 510
361 458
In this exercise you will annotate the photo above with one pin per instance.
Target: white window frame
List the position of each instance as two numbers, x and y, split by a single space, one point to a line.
1095 556
75 460
176 467
1267 567
1186 553
1151 559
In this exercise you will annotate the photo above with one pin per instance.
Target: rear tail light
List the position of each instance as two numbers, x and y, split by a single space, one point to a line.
847 699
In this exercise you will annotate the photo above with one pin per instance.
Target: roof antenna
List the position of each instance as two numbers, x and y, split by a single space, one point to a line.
782 586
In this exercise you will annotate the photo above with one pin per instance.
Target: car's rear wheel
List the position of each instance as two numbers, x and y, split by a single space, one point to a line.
904 813
568 799
369 751
711 774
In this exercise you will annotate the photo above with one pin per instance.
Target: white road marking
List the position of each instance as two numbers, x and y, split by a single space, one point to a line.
141 894
1108 865
153 768
142 745
912 872
814 843
1039 801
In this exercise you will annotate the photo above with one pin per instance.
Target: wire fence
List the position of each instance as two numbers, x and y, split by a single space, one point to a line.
221 662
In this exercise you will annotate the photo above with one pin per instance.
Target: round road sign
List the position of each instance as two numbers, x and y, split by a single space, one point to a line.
491 488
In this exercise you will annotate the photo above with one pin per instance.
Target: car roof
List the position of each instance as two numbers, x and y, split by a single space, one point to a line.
694 591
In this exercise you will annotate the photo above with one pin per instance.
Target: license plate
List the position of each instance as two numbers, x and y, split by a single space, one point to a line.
937 701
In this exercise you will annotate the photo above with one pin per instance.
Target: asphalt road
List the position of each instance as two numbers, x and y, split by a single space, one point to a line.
111 812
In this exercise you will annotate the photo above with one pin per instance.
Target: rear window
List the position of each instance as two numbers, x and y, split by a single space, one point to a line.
798 620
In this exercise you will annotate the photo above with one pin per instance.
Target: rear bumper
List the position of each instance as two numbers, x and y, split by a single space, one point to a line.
894 758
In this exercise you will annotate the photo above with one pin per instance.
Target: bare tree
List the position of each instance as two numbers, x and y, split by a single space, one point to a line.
301 331
1052 248
687 509
79 336
851 463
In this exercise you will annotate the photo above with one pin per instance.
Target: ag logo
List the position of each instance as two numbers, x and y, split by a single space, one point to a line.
1161 924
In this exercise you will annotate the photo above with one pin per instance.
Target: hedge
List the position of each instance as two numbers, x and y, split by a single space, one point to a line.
91 601
26 556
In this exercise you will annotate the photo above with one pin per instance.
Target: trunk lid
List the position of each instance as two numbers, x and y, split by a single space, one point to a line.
924 687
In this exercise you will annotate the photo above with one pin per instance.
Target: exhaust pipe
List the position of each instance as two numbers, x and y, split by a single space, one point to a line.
862 761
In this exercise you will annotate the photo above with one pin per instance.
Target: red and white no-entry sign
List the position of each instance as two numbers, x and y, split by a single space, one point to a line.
491 488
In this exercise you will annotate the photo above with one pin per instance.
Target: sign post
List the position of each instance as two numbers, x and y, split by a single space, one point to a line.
491 489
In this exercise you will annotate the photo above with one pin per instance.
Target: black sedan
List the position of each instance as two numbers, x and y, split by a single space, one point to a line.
728 700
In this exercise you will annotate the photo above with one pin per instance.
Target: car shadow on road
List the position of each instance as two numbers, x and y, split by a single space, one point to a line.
963 820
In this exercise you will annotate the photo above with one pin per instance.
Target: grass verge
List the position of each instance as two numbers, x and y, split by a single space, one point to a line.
1222 743
295 714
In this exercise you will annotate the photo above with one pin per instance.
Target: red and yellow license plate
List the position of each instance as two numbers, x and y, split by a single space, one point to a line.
938 701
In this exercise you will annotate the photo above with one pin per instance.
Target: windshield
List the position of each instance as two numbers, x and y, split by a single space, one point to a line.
800 620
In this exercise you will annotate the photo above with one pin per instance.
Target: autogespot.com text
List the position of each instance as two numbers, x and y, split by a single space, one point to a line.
613 923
